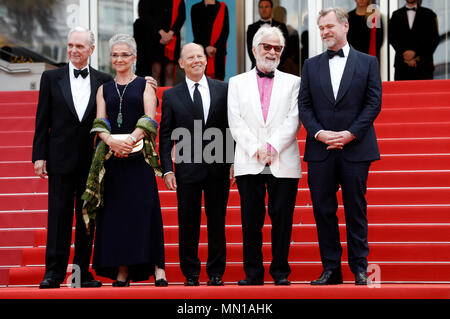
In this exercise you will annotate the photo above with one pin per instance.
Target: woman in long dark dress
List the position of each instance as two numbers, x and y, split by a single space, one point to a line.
129 243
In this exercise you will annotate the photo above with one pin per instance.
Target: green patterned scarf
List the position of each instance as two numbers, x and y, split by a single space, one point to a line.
93 195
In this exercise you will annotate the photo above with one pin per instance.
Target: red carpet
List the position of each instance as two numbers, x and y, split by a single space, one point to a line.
409 213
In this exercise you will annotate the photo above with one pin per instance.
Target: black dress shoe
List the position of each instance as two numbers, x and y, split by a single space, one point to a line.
282 282
329 277
161 282
192 281
91 284
215 281
361 279
49 283
119 283
251 282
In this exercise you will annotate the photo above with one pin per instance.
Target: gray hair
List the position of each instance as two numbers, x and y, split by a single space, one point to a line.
341 14
124 39
267 30
90 34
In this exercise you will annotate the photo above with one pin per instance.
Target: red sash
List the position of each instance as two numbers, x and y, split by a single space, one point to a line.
169 50
215 34
373 36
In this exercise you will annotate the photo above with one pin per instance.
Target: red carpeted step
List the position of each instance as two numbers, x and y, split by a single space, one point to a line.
300 233
16 138
11 257
24 201
19 96
23 185
299 252
380 196
412 161
423 178
412 129
387 196
297 291
17 169
302 215
416 87
302 272
411 178
15 153
17 108
408 145
381 214
377 215
17 123
17 237
23 219
406 115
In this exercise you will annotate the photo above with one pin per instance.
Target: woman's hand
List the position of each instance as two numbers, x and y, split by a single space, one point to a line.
121 148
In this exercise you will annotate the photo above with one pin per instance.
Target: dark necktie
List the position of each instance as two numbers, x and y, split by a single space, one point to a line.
198 103
261 74
413 9
84 73
261 22
332 54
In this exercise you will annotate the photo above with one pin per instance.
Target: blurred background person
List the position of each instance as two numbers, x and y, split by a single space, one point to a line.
413 32
157 35
365 31
291 53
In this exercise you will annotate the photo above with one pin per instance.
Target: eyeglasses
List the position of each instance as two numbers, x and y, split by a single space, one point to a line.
269 47
123 56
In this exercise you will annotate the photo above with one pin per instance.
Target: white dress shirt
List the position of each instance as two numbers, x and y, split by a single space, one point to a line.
411 16
337 66
204 92
81 91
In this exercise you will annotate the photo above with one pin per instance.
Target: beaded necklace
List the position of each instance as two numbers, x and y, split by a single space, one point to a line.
120 116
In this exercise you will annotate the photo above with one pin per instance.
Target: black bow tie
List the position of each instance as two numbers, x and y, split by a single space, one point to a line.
84 73
261 74
413 9
264 21
332 54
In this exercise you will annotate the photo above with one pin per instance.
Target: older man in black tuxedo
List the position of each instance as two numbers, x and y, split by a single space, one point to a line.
190 110
62 149
339 99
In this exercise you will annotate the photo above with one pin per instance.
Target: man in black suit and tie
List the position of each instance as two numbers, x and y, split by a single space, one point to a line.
62 149
193 112
413 32
265 12
339 99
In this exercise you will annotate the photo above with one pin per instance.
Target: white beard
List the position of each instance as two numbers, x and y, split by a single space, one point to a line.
266 64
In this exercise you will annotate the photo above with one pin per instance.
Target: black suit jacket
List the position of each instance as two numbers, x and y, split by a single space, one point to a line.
251 31
423 38
178 113
60 137
357 105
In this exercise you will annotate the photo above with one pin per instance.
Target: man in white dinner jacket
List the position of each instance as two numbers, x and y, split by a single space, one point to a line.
263 119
